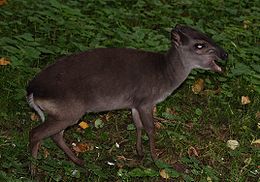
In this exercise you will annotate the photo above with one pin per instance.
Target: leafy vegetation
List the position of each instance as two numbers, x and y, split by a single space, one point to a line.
191 128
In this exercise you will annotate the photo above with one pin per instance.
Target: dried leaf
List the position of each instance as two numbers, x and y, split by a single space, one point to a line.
108 116
171 111
232 144
198 86
192 151
245 100
256 143
247 161
82 147
190 125
246 24
34 117
158 125
4 61
210 92
83 125
121 157
257 115
2 2
46 153
164 174
209 179
121 161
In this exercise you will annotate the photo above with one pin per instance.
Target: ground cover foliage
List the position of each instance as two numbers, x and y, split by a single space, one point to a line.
191 128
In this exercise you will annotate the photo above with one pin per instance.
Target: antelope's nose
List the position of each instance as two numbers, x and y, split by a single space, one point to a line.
224 56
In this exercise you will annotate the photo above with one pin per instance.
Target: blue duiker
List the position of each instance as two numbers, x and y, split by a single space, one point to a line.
115 78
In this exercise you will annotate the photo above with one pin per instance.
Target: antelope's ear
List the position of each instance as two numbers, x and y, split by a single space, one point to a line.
177 37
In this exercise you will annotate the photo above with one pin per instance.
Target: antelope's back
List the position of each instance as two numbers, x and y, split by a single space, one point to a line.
102 72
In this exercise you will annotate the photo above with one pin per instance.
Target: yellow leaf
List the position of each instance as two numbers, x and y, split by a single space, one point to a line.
245 100
2 2
164 174
83 125
4 61
198 86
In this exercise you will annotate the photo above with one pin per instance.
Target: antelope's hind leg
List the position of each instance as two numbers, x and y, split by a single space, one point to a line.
59 140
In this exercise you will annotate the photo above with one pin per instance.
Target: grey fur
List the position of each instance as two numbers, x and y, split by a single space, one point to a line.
32 104
116 78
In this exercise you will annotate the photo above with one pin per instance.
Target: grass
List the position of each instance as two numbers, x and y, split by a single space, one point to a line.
191 128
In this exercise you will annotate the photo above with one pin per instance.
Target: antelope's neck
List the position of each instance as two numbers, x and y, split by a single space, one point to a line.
177 69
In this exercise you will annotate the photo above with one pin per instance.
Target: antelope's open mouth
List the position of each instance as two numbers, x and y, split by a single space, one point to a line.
214 66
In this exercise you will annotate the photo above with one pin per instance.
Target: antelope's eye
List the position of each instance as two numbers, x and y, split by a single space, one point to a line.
200 46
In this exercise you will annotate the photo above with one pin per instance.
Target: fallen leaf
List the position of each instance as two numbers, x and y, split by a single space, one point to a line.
122 161
171 111
2 2
164 174
82 147
190 125
121 157
46 153
209 179
247 161
257 115
246 23
232 144
192 151
108 116
198 86
245 100
83 125
34 117
210 92
256 143
158 125
4 61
